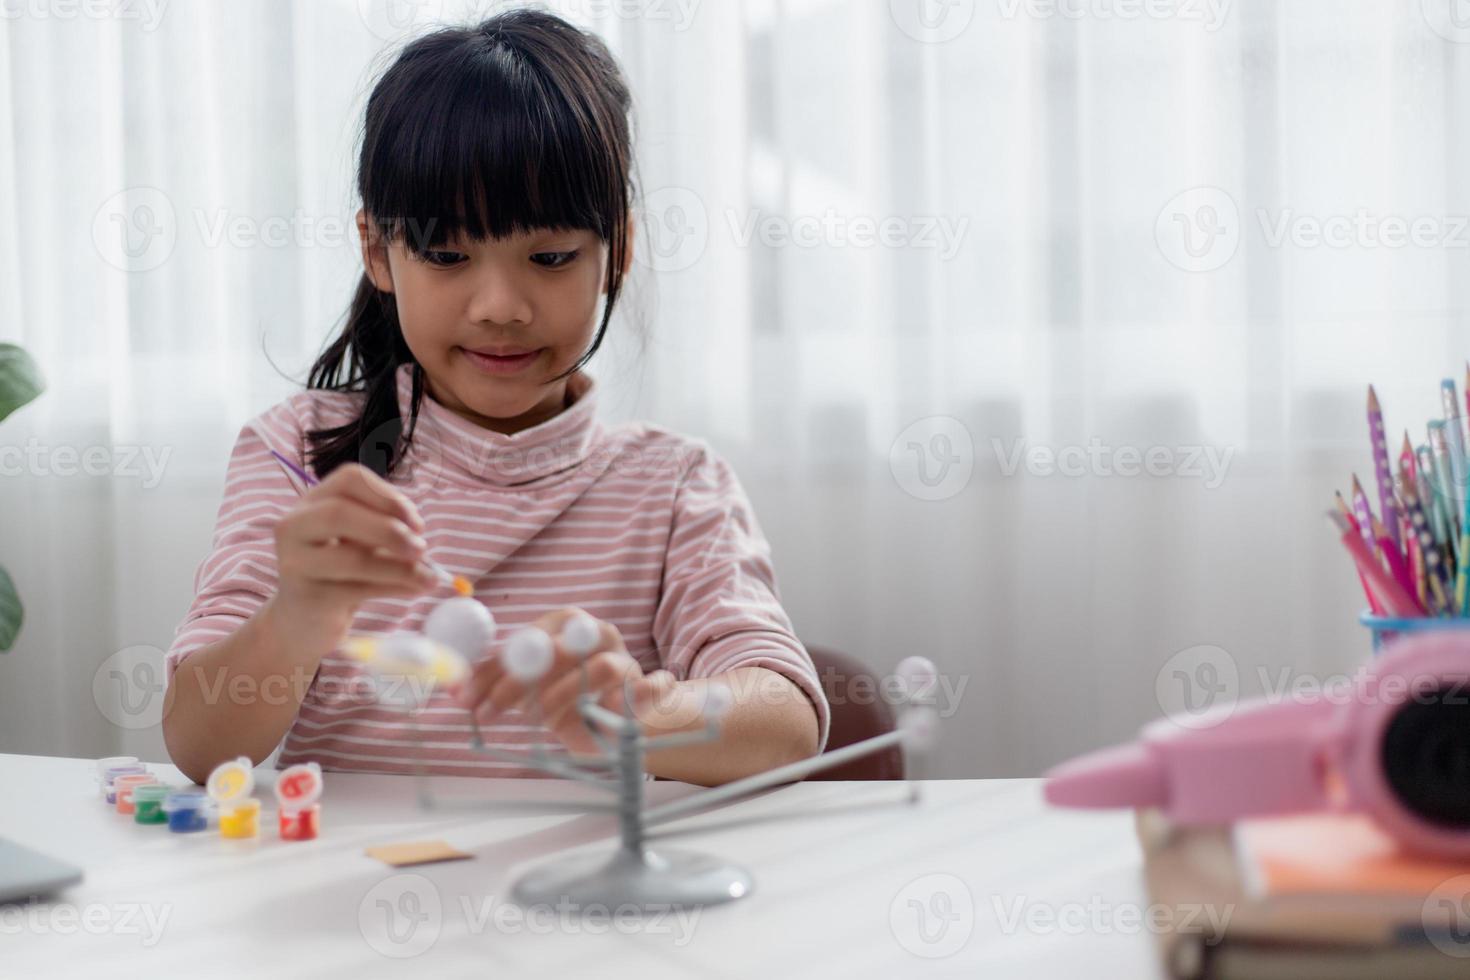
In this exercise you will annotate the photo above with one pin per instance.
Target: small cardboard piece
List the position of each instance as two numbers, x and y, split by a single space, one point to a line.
415 852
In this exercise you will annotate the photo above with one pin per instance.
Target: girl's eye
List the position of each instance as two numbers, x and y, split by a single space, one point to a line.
443 259
554 260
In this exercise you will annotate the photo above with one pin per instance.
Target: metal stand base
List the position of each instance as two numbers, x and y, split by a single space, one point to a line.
653 880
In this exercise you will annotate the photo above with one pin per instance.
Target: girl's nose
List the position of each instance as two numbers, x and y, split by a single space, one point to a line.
498 298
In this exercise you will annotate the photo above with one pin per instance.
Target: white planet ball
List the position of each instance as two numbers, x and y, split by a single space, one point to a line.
463 624
917 677
404 649
580 635
528 654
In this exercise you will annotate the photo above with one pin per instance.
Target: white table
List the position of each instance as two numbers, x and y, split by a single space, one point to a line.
1007 887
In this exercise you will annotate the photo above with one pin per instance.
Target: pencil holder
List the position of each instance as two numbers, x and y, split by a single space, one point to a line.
1386 628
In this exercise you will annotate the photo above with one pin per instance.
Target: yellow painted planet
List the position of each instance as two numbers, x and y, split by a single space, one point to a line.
408 655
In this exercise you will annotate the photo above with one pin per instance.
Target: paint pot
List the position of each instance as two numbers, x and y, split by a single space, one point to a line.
241 821
148 803
187 811
229 786
297 790
115 760
106 780
123 787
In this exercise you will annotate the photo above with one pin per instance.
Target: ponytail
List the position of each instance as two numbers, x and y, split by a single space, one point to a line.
365 358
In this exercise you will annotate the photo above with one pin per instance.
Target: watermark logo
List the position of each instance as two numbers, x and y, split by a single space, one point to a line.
1098 917
933 916
401 916
390 20
932 21
675 229
128 687
933 458
1209 14
1198 686
147 922
135 230
1450 19
1447 917
1208 464
147 13
1198 230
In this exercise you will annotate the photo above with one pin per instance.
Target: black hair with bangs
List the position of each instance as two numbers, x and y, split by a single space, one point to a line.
518 123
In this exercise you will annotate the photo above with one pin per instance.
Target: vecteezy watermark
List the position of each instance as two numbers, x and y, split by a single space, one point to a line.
677 14
1098 916
40 459
402 916
933 458
933 915
1210 14
675 227
932 21
940 233
135 230
1199 230
1450 19
1363 229
129 687
140 919
389 20
1198 686
1446 917
1205 463
147 13
864 689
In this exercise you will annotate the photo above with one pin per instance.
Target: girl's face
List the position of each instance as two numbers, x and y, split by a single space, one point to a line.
465 302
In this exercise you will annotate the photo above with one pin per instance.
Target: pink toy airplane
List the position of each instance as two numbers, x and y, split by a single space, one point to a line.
1395 746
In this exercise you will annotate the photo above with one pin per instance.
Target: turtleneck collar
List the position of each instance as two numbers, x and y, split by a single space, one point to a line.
447 446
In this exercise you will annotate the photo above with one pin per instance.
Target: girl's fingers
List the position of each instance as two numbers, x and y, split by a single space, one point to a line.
350 564
606 675
483 677
491 690
339 519
358 483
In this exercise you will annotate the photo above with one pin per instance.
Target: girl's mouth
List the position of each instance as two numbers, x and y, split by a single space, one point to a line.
509 363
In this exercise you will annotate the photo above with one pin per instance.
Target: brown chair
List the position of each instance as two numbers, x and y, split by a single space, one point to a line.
858 712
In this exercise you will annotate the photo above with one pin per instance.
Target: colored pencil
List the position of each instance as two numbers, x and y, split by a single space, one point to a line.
1436 597
1383 476
1396 566
1347 513
1395 601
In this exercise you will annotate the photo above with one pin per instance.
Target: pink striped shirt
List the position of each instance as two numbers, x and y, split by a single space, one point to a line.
642 527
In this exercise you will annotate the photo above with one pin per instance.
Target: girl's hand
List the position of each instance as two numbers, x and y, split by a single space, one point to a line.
351 538
613 677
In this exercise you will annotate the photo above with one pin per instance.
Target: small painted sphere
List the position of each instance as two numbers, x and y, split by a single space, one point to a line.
462 624
527 655
580 635
917 677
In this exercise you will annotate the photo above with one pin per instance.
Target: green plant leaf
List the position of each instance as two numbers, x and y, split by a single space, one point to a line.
11 614
20 379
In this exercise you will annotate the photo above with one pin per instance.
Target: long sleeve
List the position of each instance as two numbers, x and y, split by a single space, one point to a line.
719 607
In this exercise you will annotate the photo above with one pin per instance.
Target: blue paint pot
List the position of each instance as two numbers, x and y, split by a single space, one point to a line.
187 811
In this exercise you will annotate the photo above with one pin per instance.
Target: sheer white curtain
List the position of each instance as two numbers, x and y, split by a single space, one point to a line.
894 254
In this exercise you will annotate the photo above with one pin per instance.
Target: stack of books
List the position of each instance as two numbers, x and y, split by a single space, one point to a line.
1302 897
